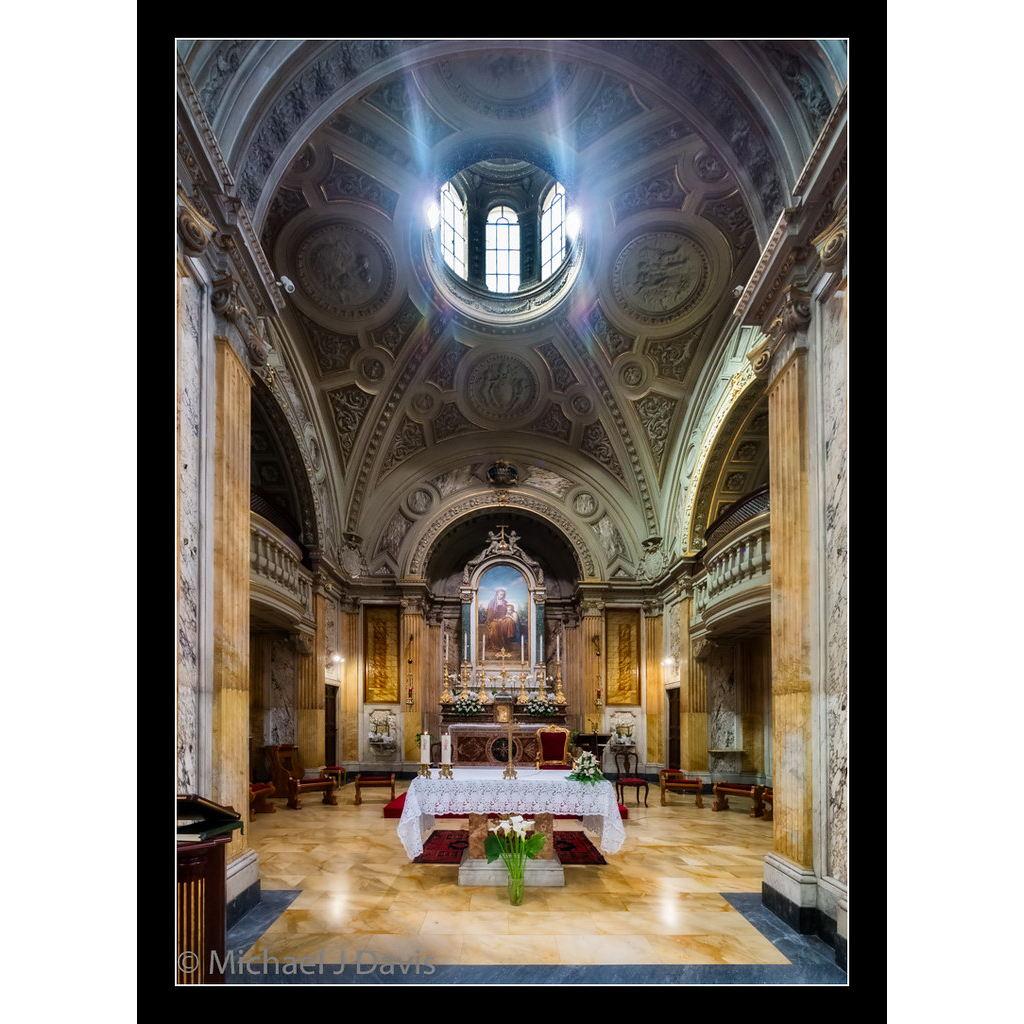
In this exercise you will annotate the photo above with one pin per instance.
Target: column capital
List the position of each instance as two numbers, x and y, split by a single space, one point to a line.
226 301
703 648
831 243
785 333
652 609
591 607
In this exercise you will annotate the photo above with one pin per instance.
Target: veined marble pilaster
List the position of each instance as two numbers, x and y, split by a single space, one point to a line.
230 731
190 532
655 693
279 717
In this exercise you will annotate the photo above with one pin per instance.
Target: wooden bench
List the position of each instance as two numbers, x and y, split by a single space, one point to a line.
724 790
674 781
289 777
374 782
766 800
259 792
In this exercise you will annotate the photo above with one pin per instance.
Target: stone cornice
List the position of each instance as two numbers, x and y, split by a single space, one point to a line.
832 128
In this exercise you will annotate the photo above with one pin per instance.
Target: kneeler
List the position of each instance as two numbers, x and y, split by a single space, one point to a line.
543 824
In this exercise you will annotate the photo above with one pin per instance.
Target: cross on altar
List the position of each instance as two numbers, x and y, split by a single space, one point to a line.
504 655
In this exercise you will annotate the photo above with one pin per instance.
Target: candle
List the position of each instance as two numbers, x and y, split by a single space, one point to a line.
484 657
446 749
558 647
446 648
425 748
522 649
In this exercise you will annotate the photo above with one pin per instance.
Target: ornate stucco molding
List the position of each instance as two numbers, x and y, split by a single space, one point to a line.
417 562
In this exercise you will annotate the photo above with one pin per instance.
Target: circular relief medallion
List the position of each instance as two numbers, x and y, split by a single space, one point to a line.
373 369
420 500
346 270
708 167
501 387
581 405
585 504
633 376
659 275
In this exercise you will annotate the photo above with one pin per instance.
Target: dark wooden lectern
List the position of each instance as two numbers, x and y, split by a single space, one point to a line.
201 888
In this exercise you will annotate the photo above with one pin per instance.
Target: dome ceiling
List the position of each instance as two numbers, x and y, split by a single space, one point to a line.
418 398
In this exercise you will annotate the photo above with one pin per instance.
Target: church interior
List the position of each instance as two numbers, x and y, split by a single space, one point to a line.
511 438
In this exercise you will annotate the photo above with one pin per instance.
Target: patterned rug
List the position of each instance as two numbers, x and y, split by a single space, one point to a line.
446 846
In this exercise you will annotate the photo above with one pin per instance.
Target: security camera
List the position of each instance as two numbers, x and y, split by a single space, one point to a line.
287 284
737 291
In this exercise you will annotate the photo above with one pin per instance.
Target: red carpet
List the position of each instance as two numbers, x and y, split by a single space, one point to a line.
446 846
393 809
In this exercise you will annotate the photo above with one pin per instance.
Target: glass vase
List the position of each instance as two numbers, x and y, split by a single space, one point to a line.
516 871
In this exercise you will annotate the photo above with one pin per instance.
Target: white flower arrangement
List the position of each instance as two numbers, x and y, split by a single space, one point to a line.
470 705
508 840
536 706
585 768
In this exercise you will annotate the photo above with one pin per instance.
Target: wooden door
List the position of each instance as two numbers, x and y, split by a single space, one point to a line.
673 728
331 724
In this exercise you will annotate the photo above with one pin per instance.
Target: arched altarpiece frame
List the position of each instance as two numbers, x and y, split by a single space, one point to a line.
502 550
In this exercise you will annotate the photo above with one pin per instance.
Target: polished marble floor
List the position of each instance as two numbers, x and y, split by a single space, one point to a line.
661 900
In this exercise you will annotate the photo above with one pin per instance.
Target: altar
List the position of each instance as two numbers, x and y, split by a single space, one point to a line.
486 743
484 791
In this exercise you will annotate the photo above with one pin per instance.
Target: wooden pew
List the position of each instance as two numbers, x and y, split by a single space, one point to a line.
724 790
674 781
289 777
258 797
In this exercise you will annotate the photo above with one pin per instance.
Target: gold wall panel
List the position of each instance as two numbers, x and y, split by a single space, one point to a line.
380 645
622 641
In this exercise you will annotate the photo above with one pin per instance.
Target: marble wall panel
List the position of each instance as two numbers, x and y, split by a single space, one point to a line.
723 707
190 537
279 720
834 394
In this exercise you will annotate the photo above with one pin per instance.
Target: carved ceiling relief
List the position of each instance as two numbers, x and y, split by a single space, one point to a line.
649 307
345 270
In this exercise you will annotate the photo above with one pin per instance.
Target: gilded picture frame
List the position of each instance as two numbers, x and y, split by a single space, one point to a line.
381 681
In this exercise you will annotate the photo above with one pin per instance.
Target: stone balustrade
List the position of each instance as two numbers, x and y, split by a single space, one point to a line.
276 574
737 573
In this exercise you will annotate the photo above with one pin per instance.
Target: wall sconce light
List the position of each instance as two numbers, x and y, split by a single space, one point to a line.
334 659
668 662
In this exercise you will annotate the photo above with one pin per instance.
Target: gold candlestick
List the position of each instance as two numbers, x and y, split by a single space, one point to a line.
524 697
464 693
445 771
485 697
424 771
446 694
509 772
541 680
559 696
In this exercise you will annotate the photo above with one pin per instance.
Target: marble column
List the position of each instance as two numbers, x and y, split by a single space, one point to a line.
655 693
311 667
411 637
230 732
433 669
592 651
348 694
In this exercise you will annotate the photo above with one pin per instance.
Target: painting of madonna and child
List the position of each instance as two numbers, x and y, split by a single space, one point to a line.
503 602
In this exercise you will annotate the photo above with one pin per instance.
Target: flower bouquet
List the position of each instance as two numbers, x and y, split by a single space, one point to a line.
468 705
508 840
536 706
586 769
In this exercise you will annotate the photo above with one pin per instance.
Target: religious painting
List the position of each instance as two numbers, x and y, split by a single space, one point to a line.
503 614
622 633
380 645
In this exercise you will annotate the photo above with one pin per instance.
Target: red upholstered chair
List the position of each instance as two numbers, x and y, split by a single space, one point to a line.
627 773
553 747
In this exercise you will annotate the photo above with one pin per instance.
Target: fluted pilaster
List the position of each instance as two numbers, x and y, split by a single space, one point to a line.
592 650
693 703
411 636
230 733
311 666
791 609
655 691
348 694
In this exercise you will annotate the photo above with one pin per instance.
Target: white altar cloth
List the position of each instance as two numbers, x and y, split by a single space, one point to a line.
484 791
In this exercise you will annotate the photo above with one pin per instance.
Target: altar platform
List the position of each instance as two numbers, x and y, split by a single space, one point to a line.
478 744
